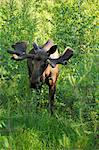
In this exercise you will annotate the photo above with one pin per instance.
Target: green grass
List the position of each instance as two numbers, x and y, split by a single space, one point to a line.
74 125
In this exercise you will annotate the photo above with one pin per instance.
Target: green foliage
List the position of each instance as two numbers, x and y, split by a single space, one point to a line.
75 123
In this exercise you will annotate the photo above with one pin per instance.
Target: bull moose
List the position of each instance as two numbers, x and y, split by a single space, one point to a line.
42 62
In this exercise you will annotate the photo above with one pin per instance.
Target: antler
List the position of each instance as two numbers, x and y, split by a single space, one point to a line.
63 59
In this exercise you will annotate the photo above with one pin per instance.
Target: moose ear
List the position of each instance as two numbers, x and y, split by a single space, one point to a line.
52 50
62 59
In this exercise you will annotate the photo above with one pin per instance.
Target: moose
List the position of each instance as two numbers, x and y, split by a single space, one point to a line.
43 65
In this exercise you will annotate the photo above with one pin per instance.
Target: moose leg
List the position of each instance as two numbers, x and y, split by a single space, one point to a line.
52 90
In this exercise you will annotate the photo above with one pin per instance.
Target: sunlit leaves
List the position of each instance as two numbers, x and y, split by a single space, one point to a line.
69 23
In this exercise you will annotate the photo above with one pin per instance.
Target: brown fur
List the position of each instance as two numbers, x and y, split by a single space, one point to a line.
49 75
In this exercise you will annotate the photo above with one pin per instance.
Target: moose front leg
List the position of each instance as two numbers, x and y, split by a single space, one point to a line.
52 90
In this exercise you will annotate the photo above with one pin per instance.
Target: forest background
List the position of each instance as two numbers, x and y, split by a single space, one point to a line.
71 23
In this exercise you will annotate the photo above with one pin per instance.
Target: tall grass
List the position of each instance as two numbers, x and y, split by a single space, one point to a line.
75 122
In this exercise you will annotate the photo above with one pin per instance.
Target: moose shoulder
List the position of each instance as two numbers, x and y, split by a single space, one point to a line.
42 62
